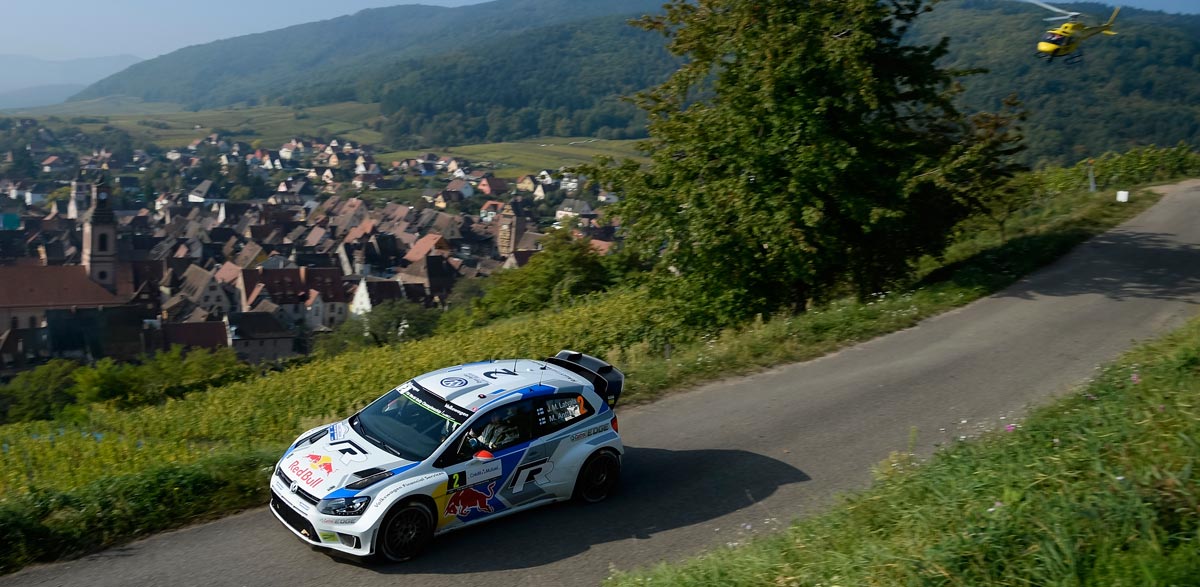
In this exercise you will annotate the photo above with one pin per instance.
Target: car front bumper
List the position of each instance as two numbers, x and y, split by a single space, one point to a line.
297 511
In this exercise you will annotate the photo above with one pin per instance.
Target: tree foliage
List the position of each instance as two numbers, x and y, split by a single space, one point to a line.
562 271
386 324
795 153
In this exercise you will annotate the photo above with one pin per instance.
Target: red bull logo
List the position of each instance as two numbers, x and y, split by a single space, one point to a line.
307 476
464 500
320 463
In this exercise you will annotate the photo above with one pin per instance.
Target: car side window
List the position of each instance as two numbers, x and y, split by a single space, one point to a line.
498 429
559 411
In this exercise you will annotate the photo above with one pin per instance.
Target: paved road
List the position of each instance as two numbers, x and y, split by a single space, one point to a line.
712 466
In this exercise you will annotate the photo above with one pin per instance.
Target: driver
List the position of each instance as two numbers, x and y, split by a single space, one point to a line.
500 430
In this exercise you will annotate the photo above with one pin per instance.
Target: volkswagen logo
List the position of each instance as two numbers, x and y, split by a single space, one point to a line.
454 382
295 487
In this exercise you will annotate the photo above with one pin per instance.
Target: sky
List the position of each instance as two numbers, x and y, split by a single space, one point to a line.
69 29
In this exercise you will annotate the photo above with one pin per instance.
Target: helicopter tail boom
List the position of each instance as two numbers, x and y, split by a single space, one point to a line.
1112 18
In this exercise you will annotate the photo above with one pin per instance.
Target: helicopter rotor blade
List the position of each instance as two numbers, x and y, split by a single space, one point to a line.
1069 17
1053 8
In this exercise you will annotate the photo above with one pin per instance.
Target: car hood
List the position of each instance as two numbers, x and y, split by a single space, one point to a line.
325 461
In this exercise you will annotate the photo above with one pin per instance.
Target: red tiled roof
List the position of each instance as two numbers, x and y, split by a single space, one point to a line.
51 287
422 247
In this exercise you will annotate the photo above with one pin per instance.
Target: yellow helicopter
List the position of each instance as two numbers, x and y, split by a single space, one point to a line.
1064 41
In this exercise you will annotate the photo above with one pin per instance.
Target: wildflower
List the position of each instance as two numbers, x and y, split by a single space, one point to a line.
996 506
1010 427
1135 378
1055 441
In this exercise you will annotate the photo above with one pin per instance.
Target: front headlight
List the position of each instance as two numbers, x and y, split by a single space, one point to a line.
343 506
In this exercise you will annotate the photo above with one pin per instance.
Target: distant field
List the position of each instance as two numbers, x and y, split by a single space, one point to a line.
272 125
168 126
526 157
109 106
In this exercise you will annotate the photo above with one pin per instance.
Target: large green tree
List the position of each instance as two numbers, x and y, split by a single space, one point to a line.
795 153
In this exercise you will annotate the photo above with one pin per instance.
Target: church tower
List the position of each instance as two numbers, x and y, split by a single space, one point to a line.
100 238
510 229
80 190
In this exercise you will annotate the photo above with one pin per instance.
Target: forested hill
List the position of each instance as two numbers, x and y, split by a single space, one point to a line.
342 55
1138 87
511 69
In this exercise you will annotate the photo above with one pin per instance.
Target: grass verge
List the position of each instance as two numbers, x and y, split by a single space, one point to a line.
1100 488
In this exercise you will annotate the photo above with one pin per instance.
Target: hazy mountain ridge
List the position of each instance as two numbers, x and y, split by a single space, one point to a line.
30 81
264 67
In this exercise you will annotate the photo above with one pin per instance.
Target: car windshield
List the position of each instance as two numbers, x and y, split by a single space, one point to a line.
409 421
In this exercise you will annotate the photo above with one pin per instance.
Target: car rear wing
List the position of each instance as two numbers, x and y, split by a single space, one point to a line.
606 379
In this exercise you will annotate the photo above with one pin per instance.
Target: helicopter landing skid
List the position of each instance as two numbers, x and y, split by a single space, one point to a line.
1074 58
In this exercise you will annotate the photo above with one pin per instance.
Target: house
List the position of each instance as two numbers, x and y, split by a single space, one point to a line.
526 183
53 164
429 244
259 337
571 208
493 186
203 289
204 335
460 186
490 209
373 291
446 198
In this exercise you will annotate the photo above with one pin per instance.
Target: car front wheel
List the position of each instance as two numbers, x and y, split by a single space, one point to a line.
598 477
405 532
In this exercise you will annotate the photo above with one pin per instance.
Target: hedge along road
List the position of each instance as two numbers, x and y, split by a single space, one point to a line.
715 465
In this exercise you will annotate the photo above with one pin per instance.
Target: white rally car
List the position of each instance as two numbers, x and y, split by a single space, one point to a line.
451 448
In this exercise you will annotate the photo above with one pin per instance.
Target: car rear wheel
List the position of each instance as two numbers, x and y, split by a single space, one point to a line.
598 477
405 532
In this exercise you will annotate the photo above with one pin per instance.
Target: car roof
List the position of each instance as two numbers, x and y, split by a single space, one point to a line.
475 385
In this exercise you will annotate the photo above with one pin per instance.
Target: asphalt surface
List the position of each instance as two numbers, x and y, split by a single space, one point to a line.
710 467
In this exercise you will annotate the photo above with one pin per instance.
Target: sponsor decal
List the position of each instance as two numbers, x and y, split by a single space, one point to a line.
351 452
464 500
535 472
320 463
481 473
328 536
594 430
337 430
399 487
336 521
457 481
453 382
304 475
457 410
497 373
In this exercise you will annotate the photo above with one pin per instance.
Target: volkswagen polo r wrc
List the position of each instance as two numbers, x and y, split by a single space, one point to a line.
452 448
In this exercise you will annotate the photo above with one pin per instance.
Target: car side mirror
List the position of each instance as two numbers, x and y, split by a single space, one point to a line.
484 456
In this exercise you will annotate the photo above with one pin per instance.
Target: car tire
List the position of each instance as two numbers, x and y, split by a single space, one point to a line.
598 477
405 532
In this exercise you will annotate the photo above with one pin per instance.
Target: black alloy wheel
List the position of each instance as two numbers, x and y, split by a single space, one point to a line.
598 478
405 532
